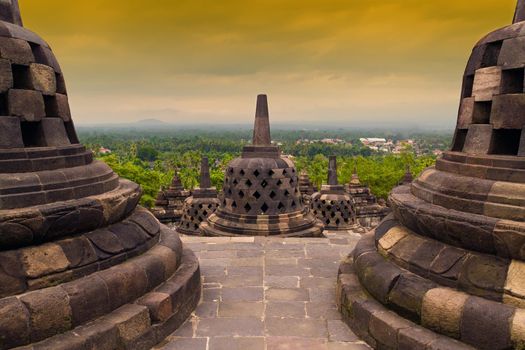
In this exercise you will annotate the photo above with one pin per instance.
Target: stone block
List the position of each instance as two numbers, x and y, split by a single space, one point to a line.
483 275
88 298
486 324
512 53
54 132
43 260
58 106
101 335
16 50
515 282
521 150
132 321
384 327
26 104
415 338
518 328
478 139
406 297
10 132
466 111
14 323
42 78
79 251
487 83
507 111
159 306
125 282
154 269
12 275
442 309
377 275
6 75
49 312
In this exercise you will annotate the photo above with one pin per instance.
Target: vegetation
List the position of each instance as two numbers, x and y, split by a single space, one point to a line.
150 158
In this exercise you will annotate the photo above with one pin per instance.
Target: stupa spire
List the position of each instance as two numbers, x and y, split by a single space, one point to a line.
332 171
519 15
10 12
205 173
261 129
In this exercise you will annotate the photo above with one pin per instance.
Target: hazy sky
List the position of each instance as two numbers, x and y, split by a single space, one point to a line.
343 61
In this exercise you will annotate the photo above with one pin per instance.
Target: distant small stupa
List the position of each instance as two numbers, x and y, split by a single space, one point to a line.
333 206
169 202
200 205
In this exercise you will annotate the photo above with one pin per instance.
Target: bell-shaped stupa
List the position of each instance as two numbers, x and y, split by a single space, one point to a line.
169 202
447 269
333 206
261 194
202 203
81 265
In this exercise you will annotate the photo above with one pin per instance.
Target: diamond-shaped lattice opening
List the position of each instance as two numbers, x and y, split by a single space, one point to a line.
256 173
224 203
347 220
242 172
205 213
257 195
337 221
247 207
264 184
292 181
285 172
249 183
279 182
271 172
230 192
294 204
235 182
327 221
241 194
210 206
280 206
230 170
264 208
332 215
273 195
234 204
201 206
195 226
286 193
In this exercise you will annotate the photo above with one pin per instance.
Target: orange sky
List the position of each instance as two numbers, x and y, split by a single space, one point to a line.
350 62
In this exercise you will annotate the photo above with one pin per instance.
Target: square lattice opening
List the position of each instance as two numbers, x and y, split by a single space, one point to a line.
491 55
505 142
459 140
481 113
512 81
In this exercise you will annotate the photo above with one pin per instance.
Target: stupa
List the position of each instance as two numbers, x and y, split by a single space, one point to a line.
202 203
447 269
333 206
261 192
169 203
306 187
81 265
369 212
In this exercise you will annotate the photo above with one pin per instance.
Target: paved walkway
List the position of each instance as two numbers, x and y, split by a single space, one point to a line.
268 294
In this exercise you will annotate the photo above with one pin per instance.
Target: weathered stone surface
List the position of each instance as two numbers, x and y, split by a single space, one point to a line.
43 79
478 139
50 312
14 323
88 298
10 132
26 104
487 83
16 50
442 309
43 260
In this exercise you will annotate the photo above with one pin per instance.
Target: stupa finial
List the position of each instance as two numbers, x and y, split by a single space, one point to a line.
332 171
205 173
261 129
519 15
10 12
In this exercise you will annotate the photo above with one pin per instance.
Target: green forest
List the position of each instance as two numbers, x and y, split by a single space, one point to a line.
150 157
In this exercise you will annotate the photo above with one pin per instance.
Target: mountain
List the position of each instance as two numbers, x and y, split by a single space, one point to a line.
151 122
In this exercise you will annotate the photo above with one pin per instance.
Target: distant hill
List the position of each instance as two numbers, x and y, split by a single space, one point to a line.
151 122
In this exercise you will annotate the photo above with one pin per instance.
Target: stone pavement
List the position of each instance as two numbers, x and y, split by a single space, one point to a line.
268 294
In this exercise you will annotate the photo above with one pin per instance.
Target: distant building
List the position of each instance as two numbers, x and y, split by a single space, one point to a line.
103 150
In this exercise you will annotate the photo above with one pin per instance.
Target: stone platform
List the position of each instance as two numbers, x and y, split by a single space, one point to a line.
268 294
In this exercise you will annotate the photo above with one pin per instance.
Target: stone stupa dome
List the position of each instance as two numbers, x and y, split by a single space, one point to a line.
82 265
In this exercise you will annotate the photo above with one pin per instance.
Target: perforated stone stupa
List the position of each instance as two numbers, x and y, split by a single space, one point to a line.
261 191
81 265
333 206
169 202
369 212
446 270
200 205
